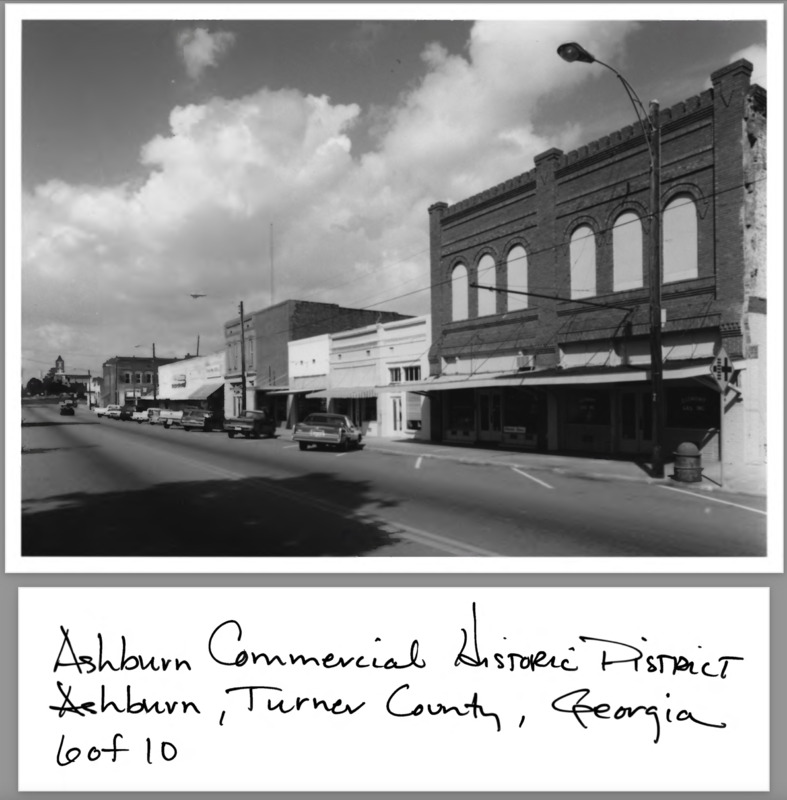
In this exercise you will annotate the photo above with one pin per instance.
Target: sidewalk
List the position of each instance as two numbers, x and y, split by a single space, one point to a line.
583 466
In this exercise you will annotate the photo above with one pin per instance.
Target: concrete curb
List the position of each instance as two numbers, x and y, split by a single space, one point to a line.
573 472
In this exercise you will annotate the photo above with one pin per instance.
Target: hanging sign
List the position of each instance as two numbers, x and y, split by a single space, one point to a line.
721 368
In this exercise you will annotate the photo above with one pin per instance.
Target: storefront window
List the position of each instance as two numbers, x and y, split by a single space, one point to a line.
588 408
521 410
692 407
460 410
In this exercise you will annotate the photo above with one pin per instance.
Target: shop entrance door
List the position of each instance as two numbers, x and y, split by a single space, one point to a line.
490 405
397 413
636 422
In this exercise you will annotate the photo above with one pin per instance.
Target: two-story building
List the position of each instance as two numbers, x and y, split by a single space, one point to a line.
127 379
555 354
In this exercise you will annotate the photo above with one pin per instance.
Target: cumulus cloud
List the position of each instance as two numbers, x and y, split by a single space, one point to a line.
347 228
200 49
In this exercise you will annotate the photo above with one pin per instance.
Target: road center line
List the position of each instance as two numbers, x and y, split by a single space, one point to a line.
418 462
716 500
524 474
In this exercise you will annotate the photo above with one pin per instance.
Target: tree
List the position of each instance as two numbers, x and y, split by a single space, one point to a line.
34 387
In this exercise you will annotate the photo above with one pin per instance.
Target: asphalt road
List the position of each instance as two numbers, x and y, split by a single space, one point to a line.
98 487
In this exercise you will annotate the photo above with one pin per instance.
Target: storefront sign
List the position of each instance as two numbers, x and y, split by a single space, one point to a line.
514 429
212 371
178 381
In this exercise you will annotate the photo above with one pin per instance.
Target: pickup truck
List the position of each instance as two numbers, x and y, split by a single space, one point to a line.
250 424
168 417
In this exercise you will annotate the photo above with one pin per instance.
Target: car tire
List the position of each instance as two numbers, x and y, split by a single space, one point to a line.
231 434
302 445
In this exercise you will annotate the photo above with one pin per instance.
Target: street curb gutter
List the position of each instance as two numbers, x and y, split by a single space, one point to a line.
568 471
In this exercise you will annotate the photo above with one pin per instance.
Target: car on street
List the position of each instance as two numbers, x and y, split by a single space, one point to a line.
154 416
66 409
168 417
327 430
199 419
118 412
139 416
101 411
251 423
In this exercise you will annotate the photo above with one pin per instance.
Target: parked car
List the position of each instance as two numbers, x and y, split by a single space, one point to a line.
114 412
251 423
199 419
323 430
168 417
66 409
154 416
101 411
139 416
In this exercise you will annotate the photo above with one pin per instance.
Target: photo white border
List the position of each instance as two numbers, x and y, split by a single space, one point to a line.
773 14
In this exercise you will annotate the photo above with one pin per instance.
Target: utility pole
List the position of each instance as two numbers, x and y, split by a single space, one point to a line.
656 358
155 376
271 244
242 361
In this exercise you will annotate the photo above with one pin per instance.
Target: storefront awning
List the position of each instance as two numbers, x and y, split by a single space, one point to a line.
294 390
677 370
349 393
205 389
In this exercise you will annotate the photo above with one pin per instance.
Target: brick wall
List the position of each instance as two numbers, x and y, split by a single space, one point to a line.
702 156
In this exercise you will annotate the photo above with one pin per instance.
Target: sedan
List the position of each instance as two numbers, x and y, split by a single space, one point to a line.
327 430
139 416
200 420
66 409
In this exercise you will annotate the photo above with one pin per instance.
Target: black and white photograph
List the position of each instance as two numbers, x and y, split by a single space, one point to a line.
387 282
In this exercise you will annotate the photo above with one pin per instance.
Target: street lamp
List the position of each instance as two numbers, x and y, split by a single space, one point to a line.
571 51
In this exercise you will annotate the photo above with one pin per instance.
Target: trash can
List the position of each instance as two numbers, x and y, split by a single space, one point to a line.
688 463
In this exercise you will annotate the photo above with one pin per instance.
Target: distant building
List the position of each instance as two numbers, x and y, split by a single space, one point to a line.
72 382
266 334
551 371
127 379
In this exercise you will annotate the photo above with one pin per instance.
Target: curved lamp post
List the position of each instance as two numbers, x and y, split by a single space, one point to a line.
571 51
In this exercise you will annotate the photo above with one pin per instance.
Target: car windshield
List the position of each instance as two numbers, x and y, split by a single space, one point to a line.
326 420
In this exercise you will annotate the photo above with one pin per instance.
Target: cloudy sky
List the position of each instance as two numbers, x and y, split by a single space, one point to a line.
262 159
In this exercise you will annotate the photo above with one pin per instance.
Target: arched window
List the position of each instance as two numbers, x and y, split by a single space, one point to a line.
583 263
516 265
487 300
459 290
627 252
679 237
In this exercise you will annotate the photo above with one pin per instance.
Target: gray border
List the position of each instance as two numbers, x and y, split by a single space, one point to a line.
9 583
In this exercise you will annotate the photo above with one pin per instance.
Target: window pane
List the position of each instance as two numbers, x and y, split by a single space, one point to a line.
627 253
487 300
679 235
459 290
517 278
583 263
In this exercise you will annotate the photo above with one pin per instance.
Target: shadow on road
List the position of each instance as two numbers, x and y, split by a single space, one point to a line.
312 515
56 422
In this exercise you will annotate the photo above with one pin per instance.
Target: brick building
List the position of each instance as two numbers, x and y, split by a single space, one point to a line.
127 379
266 334
559 374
